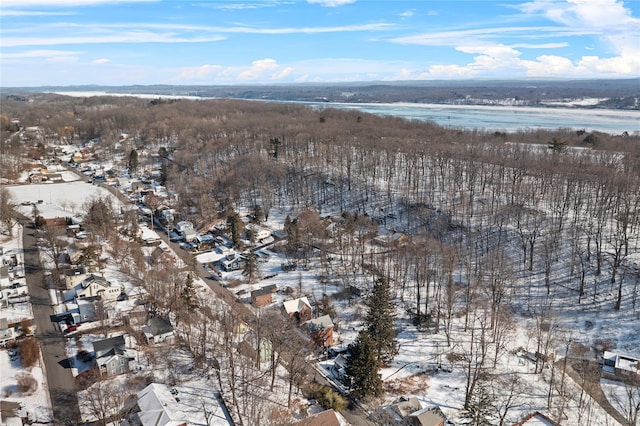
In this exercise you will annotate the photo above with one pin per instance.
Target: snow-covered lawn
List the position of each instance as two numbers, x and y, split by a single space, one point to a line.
34 404
58 199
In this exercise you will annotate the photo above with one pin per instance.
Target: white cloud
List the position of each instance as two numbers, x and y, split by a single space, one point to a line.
101 61
161 33
64 3
408 13
41 54
114 37
34 13
330 3
258 69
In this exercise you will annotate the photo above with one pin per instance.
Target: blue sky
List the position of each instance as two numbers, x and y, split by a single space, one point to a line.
122 42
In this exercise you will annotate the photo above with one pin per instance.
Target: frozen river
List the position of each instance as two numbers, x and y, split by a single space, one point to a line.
470 117
504 118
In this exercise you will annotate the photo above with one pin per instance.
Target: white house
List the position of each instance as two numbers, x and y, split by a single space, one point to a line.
620 365
157 330
259 232
95 285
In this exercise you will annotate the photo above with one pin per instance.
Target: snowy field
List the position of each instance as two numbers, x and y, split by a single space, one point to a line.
58 199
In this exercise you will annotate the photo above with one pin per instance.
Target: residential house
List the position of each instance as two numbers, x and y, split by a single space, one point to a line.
205 242
620 366
182 227
409 411
74 276
391 239
158 330
158 407
95 285
324 418
112 356
259 233
56 224
233 262
536 419
262 297
405 406
321 330
298 309
161 255
89 309
6 331
429 416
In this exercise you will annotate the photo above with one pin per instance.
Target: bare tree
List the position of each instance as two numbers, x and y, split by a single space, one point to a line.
8 213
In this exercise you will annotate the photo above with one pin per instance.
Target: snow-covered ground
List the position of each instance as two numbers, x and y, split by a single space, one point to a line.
35 405
58 199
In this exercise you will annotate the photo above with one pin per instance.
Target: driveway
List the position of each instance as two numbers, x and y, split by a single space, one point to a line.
61 383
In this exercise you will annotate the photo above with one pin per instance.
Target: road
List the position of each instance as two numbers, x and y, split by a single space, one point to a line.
61 383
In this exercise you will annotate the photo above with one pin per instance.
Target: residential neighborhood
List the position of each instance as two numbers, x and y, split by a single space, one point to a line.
142 285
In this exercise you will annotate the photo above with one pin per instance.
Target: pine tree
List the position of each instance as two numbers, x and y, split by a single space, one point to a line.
189 293
362 367
481 410
235 223
133 161
380 322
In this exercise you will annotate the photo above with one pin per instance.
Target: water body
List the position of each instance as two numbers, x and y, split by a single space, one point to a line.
471 117
504 118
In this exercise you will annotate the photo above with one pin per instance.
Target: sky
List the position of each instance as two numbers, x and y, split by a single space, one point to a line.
126 42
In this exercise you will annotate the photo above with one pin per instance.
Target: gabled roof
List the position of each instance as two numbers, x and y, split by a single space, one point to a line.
261 292
158 407
323 418
296 305
405 406
321 323
94 279
158 326
537 418
429 416
105 346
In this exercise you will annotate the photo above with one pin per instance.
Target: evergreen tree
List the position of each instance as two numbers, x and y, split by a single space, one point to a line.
133 161
189 293
380 322
235 224
480 411
362 367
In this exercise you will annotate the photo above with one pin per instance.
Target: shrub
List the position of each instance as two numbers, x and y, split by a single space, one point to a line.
29 351
27 385
327 397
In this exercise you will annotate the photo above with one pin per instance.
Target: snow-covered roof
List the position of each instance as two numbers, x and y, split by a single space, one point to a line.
158 407
320 323
296 305
623 362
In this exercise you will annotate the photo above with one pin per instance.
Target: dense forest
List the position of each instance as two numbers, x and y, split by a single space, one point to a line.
501 226
610 94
